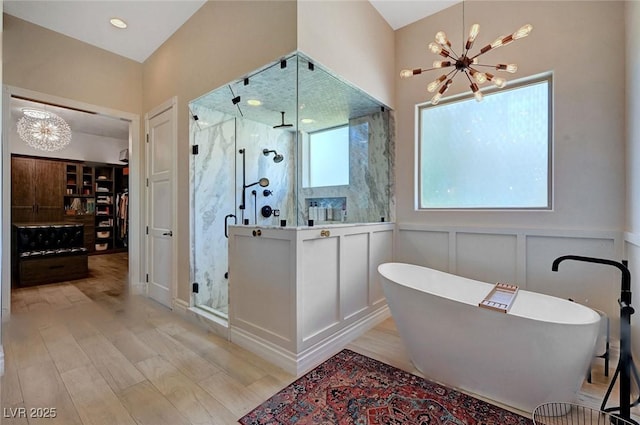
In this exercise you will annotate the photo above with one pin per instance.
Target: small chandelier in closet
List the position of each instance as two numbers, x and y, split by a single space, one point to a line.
466 63
43 130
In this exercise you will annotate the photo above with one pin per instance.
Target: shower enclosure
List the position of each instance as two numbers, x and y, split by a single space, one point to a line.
265 149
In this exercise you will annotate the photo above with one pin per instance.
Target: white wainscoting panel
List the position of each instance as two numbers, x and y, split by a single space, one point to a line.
487 257
354 276
595 285
299 295
261 279
429 248
381 249
522 256
320 286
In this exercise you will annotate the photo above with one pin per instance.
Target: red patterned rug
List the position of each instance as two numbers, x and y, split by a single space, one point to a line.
350 388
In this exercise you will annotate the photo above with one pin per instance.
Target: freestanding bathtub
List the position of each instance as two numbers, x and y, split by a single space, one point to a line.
538 352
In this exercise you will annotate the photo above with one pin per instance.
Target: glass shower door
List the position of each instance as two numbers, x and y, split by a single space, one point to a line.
212 205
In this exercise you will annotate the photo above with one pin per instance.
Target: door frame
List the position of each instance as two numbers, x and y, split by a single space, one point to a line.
171 104
136 152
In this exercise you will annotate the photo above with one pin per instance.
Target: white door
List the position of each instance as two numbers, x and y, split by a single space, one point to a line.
161 142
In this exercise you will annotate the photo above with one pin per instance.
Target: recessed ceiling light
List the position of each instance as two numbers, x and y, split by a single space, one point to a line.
254 102
118 23
307 120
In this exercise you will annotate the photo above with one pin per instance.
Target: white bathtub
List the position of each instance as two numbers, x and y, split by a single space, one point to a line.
538 352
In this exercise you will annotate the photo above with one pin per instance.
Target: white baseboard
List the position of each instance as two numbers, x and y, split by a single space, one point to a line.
304 361
139 288
180 306
1 361
210 322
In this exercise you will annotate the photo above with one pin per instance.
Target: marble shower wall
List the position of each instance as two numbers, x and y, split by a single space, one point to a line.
216 190
212 174
254 137
368 195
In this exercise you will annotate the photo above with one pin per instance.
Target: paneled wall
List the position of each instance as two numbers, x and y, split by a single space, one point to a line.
523 257
298 295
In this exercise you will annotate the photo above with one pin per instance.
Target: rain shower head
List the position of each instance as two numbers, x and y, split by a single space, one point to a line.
277 158
282 125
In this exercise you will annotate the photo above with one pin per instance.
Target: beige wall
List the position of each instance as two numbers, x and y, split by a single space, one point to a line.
45 61
582 43
351 39
222 41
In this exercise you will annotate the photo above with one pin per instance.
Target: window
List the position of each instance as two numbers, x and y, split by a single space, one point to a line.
494 154
327 158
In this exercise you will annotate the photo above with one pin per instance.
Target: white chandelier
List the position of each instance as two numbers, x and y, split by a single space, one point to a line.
465 63
43 130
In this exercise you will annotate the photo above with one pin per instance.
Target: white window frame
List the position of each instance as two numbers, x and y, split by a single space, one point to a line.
548 78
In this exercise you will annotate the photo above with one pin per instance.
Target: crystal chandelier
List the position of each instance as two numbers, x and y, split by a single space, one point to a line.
466 63
43 130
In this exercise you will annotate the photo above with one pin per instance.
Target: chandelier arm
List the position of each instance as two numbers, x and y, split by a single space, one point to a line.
468 76
478 55
456 56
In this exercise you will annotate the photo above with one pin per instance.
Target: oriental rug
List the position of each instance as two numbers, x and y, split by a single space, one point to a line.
350 388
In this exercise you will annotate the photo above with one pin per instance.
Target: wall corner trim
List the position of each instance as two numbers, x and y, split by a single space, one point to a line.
632 238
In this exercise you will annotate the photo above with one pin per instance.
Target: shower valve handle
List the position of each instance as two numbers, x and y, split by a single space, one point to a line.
169 233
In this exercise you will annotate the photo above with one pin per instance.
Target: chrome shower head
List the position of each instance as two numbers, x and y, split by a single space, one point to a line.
277 158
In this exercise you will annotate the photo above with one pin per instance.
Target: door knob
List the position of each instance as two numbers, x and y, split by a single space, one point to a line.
169 233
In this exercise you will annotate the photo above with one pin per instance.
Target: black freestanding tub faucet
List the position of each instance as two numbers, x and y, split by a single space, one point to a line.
625 364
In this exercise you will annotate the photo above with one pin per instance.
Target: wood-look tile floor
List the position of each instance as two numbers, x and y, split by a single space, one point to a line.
87 352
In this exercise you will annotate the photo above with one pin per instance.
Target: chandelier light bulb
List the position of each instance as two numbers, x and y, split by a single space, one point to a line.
441 39
498 42
441 64
435 99
436 83
476 92
435 48
497 81
524 31
480 77
511 68
473 33
407 73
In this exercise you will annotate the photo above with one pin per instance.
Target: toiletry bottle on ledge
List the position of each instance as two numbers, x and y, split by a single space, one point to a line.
344 213
313 211
322 213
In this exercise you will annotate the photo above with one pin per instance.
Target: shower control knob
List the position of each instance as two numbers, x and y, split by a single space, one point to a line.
266 211
257 232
